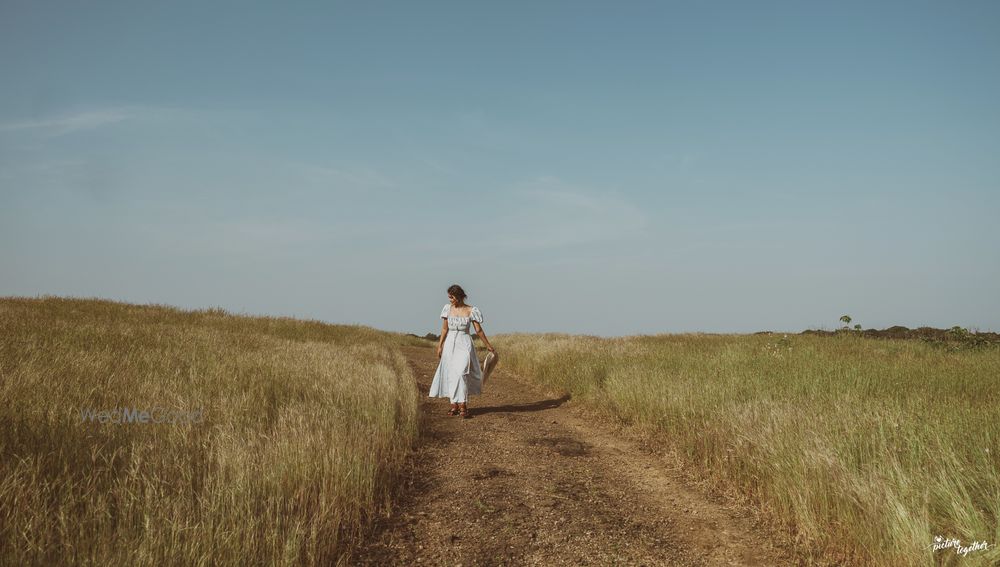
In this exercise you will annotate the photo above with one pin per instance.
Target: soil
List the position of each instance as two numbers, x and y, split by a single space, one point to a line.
532 478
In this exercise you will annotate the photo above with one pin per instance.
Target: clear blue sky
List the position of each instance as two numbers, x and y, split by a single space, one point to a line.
601 168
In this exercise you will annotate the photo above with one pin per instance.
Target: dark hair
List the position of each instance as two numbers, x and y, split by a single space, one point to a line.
457 291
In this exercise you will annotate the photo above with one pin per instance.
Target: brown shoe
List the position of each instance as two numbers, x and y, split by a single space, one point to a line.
453 410
465 411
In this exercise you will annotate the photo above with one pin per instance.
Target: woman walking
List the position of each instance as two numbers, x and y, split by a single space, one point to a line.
458 373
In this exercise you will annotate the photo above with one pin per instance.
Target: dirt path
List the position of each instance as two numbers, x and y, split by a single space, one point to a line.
528 479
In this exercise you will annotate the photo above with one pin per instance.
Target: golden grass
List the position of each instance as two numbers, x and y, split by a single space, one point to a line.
304 425
864 449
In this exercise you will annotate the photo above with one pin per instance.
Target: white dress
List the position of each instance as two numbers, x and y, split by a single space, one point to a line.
458 373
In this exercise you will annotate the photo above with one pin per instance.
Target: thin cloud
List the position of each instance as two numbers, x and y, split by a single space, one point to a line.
59 126
548 212
341 178
93 119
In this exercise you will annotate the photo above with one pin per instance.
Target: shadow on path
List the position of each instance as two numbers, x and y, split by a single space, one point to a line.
533 406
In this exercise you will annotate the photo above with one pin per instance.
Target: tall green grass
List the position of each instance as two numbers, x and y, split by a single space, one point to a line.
864 449
304 425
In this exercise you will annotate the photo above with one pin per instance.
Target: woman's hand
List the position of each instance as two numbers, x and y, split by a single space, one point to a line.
491 349
440 349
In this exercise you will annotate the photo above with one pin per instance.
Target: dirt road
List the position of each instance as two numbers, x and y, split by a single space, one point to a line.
529 479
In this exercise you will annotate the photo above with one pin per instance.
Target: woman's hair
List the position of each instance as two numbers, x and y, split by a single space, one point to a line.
457 291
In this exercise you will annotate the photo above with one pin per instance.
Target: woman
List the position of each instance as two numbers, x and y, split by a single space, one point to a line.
458 373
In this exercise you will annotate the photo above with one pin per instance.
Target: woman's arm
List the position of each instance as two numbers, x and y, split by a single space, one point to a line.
444 333
482 335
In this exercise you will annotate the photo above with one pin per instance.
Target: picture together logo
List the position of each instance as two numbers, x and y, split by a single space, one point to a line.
136 415
956 544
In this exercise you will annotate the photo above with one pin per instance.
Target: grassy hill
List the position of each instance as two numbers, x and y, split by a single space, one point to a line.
265 440
861 448
275 440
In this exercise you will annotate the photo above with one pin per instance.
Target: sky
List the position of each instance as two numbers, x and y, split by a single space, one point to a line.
611 168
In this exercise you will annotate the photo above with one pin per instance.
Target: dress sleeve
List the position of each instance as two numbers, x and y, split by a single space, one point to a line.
476 315
445 310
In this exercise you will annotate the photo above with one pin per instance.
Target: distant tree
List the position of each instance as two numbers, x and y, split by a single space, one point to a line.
846 320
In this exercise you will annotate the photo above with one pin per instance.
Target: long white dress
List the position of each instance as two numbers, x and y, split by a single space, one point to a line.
458 373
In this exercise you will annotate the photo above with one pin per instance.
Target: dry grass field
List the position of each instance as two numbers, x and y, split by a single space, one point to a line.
865 449
146 434
266 440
